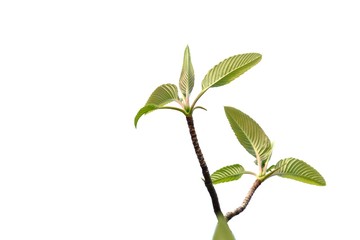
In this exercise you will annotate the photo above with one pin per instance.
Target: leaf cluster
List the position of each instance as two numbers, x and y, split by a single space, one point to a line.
222 74
249 134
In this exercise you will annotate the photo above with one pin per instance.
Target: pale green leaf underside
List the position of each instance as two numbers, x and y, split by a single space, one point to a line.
249 133
227 174
222 231
187 77
298 170
163 94
229 69
144 110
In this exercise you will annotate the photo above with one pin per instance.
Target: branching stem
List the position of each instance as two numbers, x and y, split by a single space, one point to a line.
246 201
205 171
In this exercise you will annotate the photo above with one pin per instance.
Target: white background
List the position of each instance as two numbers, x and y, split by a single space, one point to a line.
74 73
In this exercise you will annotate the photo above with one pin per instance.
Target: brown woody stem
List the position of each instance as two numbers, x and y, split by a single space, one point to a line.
205 171
246 201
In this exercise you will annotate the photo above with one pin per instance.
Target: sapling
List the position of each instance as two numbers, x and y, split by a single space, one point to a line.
249 134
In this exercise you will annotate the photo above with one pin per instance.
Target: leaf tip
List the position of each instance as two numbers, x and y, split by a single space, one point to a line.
322 181
135 124
299 170
187 50
137 117
257 56
227 109
144 110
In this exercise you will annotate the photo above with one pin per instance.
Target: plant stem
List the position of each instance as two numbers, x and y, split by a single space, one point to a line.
246 201
205 171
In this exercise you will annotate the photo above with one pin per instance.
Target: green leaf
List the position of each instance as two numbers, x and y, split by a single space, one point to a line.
163 94
229 69
222 231
187 77
144 110
227 174
249 133
298 170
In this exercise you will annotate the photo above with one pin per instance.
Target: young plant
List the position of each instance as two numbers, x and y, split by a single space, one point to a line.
248 132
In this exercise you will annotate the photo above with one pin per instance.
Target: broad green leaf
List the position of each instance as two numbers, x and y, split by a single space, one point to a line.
229 69
249 133
298 170
144 110
163 94
227 174
222 231
186 82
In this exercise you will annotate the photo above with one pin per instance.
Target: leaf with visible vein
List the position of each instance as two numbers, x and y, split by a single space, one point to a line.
229 69
163 94
298 170
187 77
249 133
227 174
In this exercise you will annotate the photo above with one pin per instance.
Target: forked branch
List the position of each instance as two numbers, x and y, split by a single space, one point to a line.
246 201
